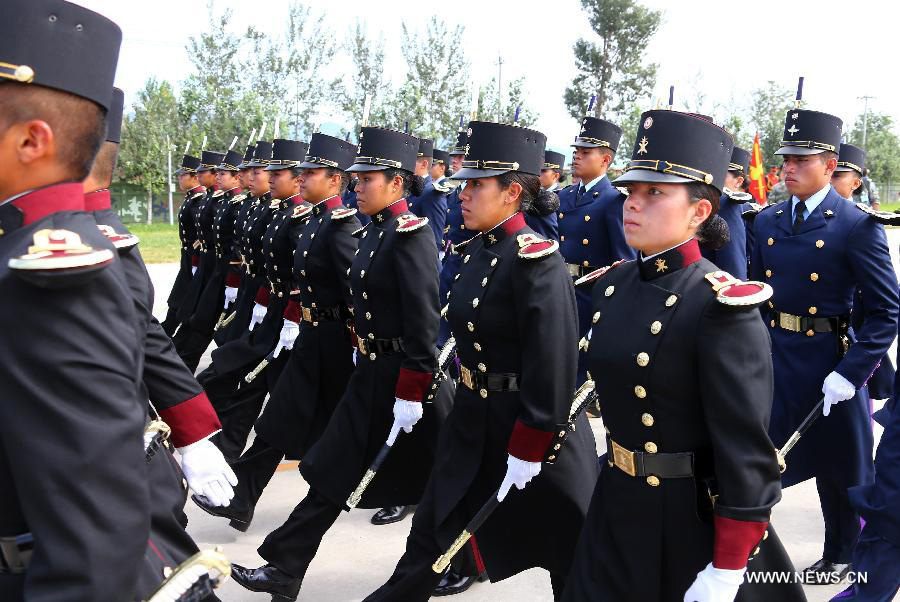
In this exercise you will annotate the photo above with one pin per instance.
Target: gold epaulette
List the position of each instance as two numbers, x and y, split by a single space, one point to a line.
58 258
301 211
343 213
738 293
410 223
119 241
532 246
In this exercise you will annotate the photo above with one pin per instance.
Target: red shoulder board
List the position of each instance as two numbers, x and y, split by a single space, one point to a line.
532 246
119 241
301 211
740 293
59 258
592 276
410 223
343 212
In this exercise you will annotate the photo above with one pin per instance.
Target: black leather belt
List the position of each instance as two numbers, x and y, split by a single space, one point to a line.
482 381
810 324
15 553
371 347
314 315
643 464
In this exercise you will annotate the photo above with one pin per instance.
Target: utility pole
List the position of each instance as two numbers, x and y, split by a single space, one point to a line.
865 117
169 184
499 89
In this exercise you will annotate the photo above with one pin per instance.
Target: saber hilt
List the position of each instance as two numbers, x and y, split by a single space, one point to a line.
441 564
219 321
584 396
259 368
226 321
801 430
195 578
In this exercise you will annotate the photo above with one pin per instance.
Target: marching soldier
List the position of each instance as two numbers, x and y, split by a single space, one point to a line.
74 497
689 464
321 362
432 203
395 369
590 215
552 172
815 250
244 168
512 310
732 257
189 184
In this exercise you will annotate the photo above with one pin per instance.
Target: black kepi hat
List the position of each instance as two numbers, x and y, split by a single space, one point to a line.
189 164
248 157
59 45
598 133
426 148
554 160
230 162
462 143
114 116
673 147
262 154
740 160
328 151
497 148
209 160
381 148
810 133
287 154
441 156
851 158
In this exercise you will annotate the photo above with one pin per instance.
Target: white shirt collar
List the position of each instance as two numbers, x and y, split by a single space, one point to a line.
592 183
813 201
648 257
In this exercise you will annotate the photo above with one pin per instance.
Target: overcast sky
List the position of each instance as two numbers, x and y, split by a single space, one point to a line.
845 50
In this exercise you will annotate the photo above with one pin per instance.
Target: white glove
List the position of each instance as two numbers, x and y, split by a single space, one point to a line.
207 472
259 312
230 295
193 270
406 415
836 388
518 472
715 585
286 339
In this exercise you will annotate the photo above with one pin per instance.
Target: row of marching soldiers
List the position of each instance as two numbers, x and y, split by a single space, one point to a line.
351 330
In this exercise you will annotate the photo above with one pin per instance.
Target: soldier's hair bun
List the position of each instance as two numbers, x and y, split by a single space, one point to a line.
713 233
543 204
417 185
534 200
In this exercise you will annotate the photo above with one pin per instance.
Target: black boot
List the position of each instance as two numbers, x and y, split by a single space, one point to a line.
454 583
390 514
239 517
267 579
822 572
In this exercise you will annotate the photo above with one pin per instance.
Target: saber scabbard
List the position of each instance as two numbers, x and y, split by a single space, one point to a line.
219 322
259 368
482 515
801 430
357 494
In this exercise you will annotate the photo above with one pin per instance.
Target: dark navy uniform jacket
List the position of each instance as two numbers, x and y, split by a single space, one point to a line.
733 256
432 203
815 273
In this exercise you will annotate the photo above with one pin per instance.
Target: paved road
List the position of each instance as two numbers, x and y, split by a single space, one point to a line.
356 557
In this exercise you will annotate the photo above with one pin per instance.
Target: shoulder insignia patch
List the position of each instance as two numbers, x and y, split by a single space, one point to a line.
532 246
120 241
197 195
738 293
750 210
410 223
218 193
882 217
301 211
343 213
738 195
444 186
56 253
239 197
592 276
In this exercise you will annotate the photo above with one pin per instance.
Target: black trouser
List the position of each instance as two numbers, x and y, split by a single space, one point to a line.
842 524
192 346
170 324
237 413
254 470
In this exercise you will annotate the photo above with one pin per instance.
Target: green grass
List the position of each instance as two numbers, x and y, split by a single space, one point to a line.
159 242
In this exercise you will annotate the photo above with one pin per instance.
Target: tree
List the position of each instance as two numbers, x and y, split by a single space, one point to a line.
513 99
613 68
882 146
768 108
368 78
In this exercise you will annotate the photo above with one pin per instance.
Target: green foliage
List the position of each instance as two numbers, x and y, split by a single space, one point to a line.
489 103
142 155
768 107
367 78
882 146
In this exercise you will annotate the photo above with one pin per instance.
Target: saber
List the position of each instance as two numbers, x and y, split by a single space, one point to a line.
584 396
156 433
219 321
801 430
195 578
260 367
226 321
447 352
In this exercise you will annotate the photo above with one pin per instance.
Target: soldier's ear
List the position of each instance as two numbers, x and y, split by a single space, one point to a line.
34 140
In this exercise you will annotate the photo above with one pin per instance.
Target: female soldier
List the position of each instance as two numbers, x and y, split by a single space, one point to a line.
683 370
395 309
321 362
512 311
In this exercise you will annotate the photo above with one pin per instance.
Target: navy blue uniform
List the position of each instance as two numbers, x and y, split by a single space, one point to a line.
591 236
815 273
733 256
432 203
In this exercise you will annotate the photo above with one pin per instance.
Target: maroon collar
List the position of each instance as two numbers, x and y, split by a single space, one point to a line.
391 211
195 190
508 227
670 261
97 200
327 205
42 202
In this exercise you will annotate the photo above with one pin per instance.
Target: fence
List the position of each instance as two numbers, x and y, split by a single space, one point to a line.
130 203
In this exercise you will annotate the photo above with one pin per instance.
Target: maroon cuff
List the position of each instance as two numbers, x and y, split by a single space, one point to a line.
292 312
735 539
233 279
262 296
195 260
191 420
528 443
412 384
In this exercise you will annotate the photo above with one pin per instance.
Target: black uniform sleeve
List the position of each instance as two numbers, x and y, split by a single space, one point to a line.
415 257
736 384
545 311
71 431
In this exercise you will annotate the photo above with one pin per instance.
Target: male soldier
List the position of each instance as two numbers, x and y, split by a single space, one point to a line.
815 250
440 163
552 173
733 256
189 184
454 231
432 203
74 516
590 215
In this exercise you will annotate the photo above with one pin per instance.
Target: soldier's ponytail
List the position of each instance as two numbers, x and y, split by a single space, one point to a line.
534 200
713 233
413 185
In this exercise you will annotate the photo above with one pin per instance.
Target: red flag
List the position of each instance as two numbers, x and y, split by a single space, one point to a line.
757 173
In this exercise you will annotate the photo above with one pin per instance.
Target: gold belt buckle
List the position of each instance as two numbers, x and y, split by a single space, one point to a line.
623 458
362 345
465 375
307 313
789 322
